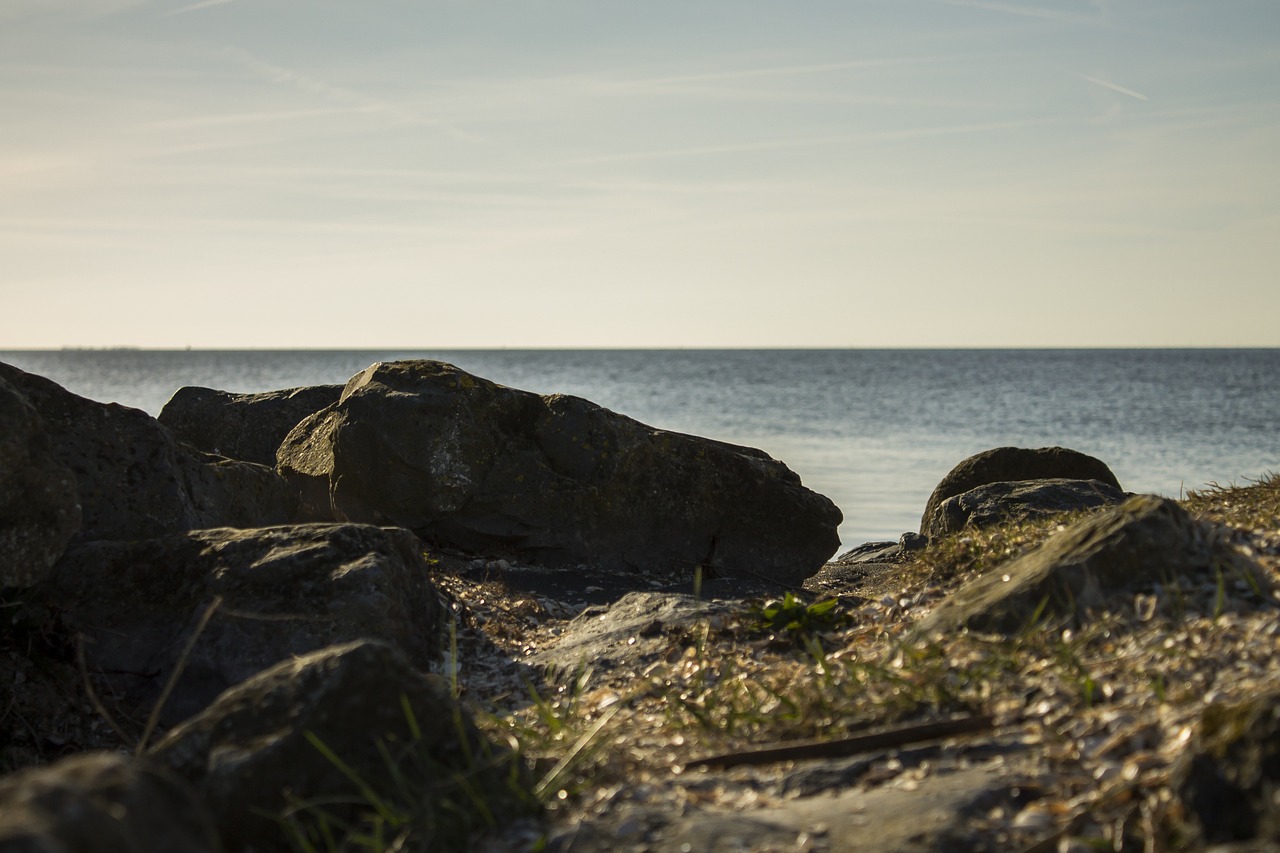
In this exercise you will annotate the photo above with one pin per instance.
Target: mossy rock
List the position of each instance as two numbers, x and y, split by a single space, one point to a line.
1145 540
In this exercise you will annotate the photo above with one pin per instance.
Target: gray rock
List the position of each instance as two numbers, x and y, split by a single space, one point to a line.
929 817
1006 464
1145 540
871 552
249 427
39 502
285 591
102 803
133 477
630 632
995 503
554 480
1229 777
256 750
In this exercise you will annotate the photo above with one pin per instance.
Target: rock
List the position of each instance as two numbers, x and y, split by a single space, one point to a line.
134 479
871 552
258 749
230 493
995 503
555 480
924 818
630 632
1145 540
39 503
249 427
1007 464
285 591
912 542
1229 777
102 803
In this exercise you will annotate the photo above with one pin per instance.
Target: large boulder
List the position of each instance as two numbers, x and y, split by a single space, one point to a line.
134 478
555 480
242 426
346 728
102 803
1010 464
284 591
39 503
1145 540
996 503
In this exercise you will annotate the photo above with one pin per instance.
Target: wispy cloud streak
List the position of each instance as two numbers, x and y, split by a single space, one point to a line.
1027 11
818 141
792 70
365 104
193 7
1115 87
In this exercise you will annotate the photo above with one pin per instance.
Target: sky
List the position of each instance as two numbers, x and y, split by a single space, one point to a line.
705 173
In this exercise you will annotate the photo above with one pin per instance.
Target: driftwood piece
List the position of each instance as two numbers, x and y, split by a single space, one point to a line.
843 747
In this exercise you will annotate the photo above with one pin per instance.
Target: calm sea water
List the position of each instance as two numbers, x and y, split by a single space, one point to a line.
874 430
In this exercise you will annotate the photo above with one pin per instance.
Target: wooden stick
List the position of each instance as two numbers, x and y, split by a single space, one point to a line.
901 736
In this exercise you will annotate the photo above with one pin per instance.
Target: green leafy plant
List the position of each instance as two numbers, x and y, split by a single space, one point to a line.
792 615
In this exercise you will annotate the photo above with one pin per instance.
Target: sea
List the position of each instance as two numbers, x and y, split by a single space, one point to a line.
874 430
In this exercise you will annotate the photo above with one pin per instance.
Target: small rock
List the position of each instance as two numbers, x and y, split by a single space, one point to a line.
1010 464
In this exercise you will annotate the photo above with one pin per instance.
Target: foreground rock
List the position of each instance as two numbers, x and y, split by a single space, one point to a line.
557 480
1011 464
1145 540
995 503
1229 779
249 427
134 479
102 803
284 591
39 503
924 818
262 747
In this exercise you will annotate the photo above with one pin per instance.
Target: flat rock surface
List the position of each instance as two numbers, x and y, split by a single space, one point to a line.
638 627
911 815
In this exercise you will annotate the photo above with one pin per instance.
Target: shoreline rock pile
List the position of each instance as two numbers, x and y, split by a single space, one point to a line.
263 598
174 563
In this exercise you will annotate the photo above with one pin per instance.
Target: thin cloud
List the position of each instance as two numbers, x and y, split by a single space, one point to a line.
1024 11
337 94
786 96
1115 87
791 70
203 4
253 118
817 141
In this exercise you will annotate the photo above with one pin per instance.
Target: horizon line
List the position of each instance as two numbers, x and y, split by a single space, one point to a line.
726 348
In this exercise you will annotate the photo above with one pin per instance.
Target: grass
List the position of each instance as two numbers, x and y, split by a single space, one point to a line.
418 802
1109 703
799 669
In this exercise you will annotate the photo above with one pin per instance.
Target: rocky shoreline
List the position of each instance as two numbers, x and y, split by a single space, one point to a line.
425 611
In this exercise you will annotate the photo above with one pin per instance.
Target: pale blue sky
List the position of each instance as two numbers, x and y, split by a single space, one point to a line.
304 173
